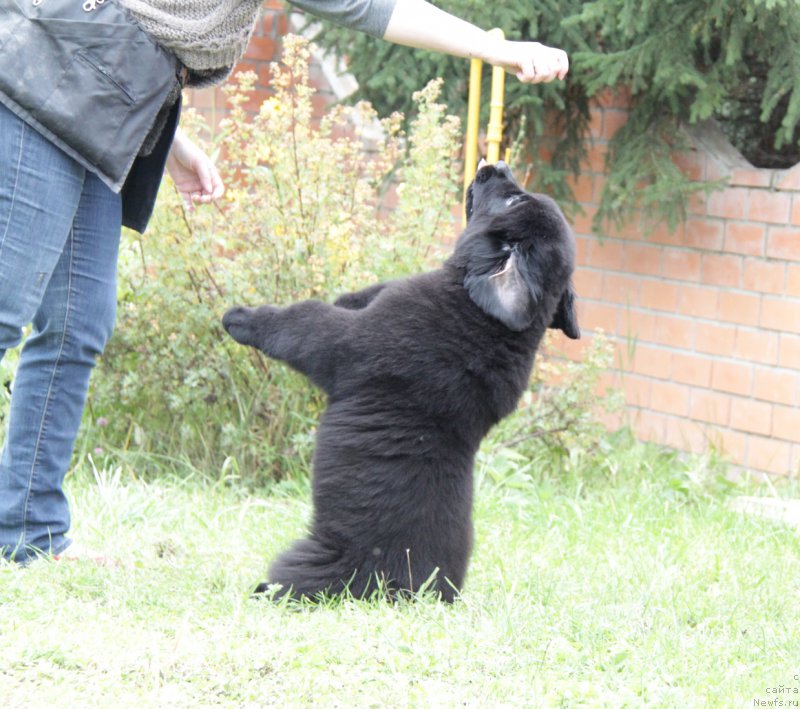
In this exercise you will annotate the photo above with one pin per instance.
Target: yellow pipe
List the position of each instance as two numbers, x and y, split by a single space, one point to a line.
494 130
473 117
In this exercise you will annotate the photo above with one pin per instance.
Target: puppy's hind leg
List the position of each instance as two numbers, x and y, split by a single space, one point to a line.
309 569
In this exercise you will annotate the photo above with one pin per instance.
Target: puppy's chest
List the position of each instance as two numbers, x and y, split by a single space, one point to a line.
442 347
500 374
499 369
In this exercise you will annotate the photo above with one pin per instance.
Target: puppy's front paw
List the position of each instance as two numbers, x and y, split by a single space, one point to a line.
245 325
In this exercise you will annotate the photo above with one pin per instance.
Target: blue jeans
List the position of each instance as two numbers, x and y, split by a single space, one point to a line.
59 238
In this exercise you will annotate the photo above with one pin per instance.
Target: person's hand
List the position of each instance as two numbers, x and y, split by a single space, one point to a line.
193 172
531 62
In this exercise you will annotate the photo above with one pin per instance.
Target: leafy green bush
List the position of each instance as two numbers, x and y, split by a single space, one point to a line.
559 425
302 219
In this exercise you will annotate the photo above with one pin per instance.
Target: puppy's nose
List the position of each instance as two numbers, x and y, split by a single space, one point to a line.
502 168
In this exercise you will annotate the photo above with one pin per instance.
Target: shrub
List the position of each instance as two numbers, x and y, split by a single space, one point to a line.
559 425
302 219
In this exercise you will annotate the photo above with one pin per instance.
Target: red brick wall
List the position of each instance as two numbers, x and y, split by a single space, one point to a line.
706 319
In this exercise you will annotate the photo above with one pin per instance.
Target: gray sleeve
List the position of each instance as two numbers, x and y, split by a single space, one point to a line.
370 16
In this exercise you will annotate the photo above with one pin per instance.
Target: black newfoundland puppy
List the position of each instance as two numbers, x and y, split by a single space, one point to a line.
417 371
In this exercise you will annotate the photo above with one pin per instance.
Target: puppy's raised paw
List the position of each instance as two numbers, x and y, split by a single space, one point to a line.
245 325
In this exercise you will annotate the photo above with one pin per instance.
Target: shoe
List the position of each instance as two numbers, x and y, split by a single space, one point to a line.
77 552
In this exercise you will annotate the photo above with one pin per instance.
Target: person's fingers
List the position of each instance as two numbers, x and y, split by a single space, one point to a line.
550 66
563 63
217 186
541 73
539 64
203 173
527 70
210 179
208 185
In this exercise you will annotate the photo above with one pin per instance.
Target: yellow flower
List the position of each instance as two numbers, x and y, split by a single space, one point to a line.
271 106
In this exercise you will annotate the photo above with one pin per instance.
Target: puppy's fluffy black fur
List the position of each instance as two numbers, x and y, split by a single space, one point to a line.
417 371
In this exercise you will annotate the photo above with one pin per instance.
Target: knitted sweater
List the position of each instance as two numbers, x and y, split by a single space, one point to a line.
209 36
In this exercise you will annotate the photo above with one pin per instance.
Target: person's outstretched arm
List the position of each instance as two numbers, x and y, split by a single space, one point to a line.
416 23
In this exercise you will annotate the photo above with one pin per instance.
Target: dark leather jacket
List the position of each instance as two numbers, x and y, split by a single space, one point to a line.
89 79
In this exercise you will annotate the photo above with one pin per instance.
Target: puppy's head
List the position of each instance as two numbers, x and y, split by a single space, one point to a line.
518 252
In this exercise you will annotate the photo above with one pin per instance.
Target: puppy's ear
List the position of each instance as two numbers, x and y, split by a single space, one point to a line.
468 202
505 294
566 318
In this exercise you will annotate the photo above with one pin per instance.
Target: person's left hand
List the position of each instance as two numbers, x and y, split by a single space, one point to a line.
531 62
193 172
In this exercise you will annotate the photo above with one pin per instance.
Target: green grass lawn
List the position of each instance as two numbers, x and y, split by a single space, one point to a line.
632 585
